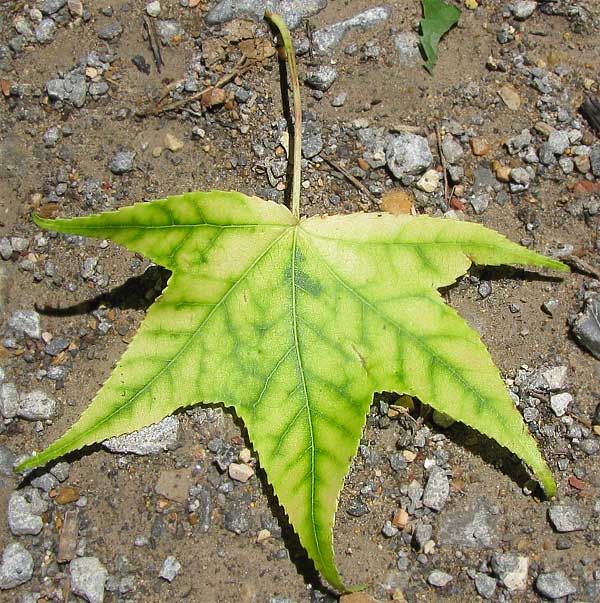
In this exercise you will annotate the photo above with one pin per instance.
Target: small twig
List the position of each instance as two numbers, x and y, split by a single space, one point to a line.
153 41
443 160
352 179
239 69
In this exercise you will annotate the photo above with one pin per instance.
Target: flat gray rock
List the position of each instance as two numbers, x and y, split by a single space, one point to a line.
153 439
292 11
437 489
586 326
566 518
26 322
16 567
88 578
36 406
475 527
554 585
25 508
407 155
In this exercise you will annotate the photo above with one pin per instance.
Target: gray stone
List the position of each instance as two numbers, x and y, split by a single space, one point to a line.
122 162
110 31
292 11
237 519
36 406
519 142
558 142
407 45
523 9
555 377
321 78
589 445
16 567
169 30
595 160
554 585
7 461
407 155
337 101
452 149
153 439
51 136
566 518
560 402
78 90
520 176
56 346
374 142
45 482
56 89
439 579
98 88
422 534
153 8
26 322
485 585
480 202
389 530
475 527
511 570
312 139
61 471
170 569
24 510
437 489
49 7
328 38
586 326
88 578
45 31
6 249
9 400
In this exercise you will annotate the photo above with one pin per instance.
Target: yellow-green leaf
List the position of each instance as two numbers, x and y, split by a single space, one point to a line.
438 18
295 324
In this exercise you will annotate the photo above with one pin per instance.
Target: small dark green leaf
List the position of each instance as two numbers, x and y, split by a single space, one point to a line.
438 18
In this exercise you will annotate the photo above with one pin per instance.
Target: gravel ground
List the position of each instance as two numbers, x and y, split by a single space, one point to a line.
430 511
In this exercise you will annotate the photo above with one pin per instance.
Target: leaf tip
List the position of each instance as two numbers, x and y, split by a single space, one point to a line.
41 222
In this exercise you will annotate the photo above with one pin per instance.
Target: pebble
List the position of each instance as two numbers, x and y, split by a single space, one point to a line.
75 7
122 162
240 472
523 9
586 327
169 30
174 484
321 78
336 101
480 146
173 143
560 402
6 249
554 585
88 578
511 570
429 181
153 439
237 519
153 8
407 155
110 31
9 400
439 579
292 11
555 377
595 160
452 149
49 7
480 202
24 512
16 567
566 518
51 136
170 569
510 97
485 585
437 489
328 38
26 322
421 535
7 461
407 45
36 406
45 31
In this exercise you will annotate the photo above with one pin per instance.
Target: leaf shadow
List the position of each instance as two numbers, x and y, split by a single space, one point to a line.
136 293
500 273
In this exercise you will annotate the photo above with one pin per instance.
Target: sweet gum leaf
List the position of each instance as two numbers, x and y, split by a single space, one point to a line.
295 323
438 18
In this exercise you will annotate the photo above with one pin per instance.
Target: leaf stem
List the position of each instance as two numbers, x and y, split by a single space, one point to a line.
290 56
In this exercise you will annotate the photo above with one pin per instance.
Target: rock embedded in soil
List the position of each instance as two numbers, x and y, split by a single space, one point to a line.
292 11
566 518
24 511
485 585
523 9
9 400
170 569
110 31
36 406
16 567
437 489
153 439
328 38
407 155
407 45
88 578
554 585
560 402
240 472
45 31
321 78
122 162
169 30
49 7
511 570
439 579
26 322
586 326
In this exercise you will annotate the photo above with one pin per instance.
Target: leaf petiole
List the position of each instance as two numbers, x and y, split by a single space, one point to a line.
290 55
